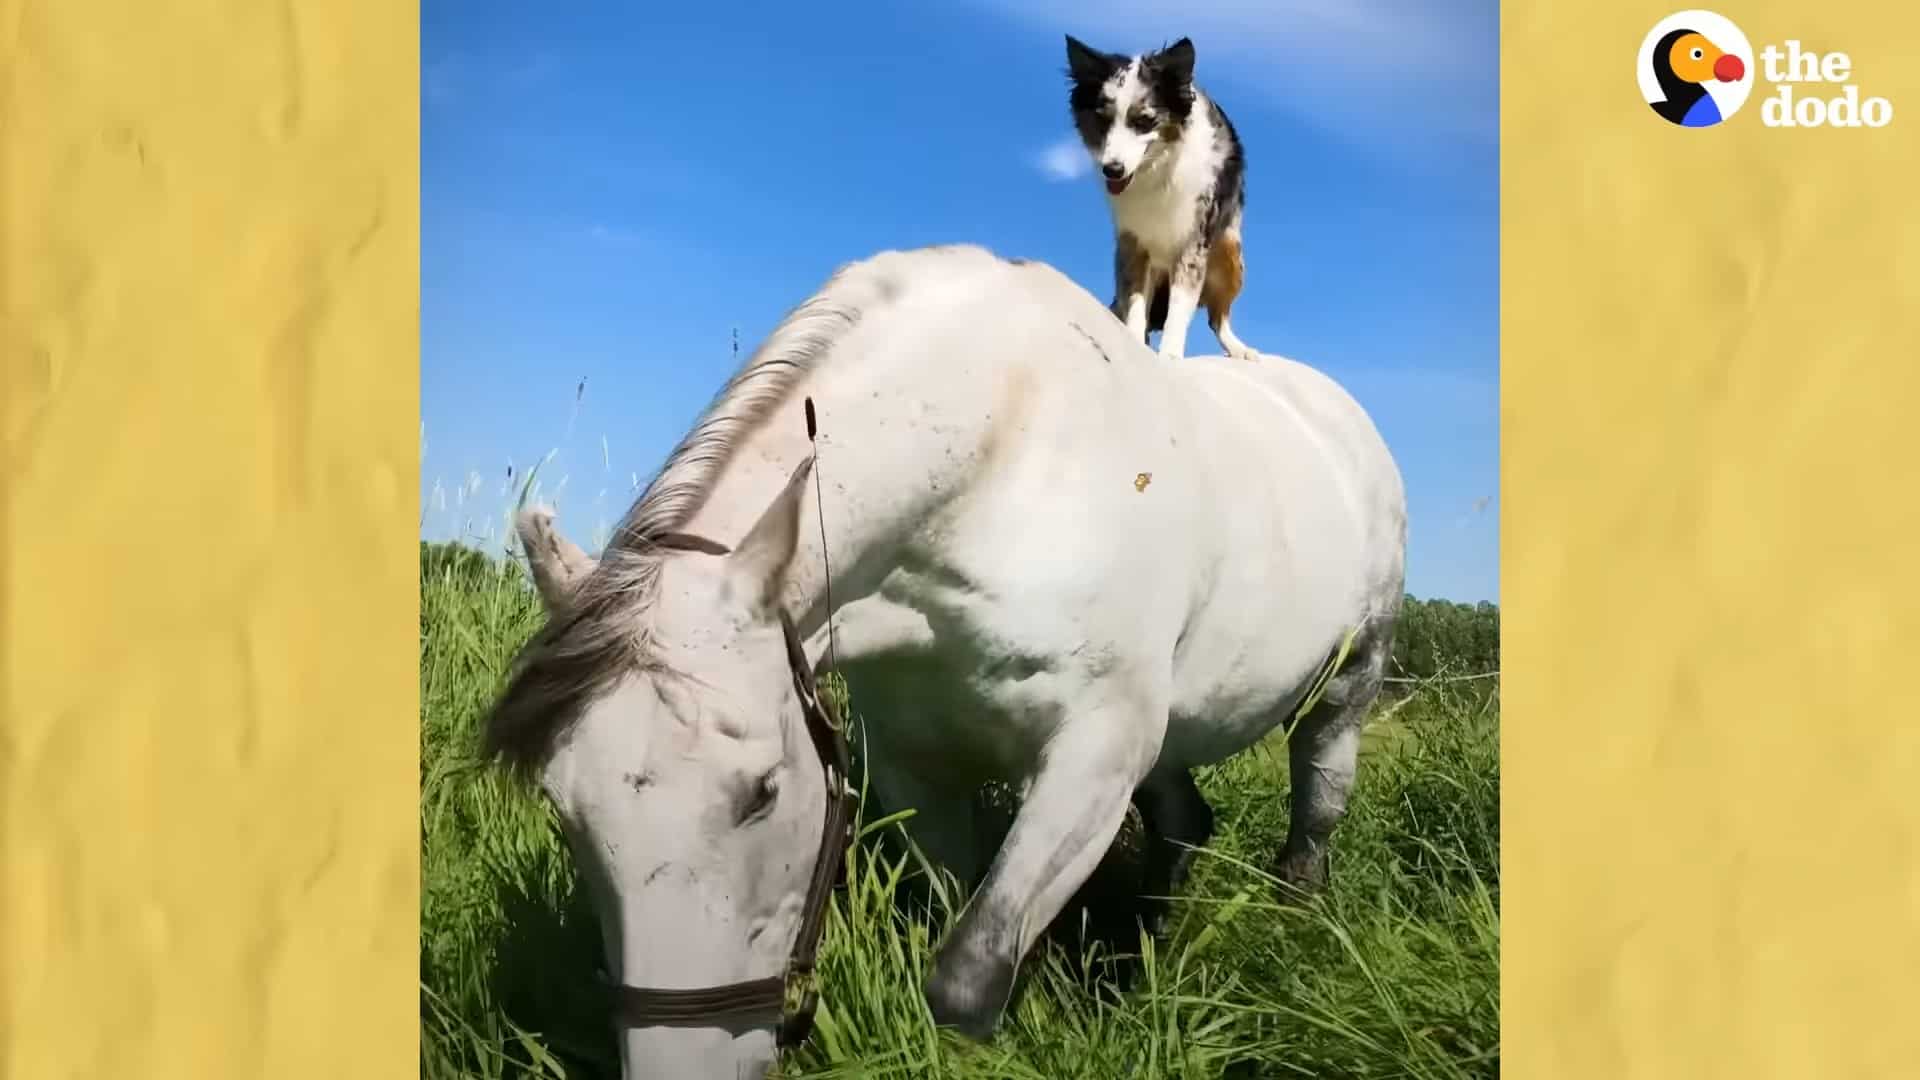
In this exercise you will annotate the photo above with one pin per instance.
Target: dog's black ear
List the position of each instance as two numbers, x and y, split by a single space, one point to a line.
1174 64
1085 64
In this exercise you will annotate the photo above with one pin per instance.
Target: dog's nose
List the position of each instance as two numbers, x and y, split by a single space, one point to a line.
1113 170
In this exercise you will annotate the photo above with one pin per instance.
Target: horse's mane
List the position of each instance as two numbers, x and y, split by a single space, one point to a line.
598 637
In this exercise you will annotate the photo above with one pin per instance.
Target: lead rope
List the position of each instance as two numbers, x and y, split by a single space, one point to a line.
826 569
797 1024
820 508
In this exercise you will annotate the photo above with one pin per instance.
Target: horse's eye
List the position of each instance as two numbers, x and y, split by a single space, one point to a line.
761 796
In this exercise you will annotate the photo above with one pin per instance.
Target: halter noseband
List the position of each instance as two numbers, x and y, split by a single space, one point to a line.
786 1000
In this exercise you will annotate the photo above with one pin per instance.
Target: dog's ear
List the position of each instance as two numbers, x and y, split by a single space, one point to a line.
1085 64
1174 64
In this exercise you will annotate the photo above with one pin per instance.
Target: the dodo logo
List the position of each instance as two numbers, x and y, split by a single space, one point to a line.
1695 68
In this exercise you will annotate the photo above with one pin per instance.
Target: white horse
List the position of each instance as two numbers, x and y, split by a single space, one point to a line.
1054 558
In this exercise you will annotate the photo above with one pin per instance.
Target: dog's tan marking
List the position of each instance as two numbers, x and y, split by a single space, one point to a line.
1226 273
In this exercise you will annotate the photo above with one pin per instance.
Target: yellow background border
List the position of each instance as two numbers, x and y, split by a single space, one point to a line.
211 326
1710 356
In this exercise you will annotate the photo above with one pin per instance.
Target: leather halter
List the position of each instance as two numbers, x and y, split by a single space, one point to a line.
786 1000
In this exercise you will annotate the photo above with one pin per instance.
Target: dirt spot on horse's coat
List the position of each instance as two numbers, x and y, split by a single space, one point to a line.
1009 416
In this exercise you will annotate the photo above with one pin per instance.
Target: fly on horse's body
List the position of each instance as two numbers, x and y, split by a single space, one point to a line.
1056 559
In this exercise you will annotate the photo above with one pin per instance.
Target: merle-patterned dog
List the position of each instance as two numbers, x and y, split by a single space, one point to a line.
1175 180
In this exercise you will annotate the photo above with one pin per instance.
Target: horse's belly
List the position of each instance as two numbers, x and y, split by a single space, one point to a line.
926 716
1225 705
1192 741
1253 644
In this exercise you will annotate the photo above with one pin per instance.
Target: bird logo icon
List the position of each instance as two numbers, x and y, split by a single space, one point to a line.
1695 68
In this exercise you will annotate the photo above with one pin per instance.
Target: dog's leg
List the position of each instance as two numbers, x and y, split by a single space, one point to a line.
1132 285
1183 296
1226 272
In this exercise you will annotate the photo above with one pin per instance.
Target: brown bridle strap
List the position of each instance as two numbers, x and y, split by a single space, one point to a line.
830 744
758 1002
765 1001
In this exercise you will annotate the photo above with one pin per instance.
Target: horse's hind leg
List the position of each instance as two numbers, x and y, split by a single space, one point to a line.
1322 755
1177 820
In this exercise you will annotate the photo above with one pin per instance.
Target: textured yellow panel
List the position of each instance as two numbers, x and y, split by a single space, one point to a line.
1711 562
209 309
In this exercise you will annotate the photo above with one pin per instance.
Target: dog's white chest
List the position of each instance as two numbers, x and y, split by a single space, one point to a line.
1162 208
1163 226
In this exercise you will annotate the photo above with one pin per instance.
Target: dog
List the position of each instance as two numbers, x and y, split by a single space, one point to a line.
1175 176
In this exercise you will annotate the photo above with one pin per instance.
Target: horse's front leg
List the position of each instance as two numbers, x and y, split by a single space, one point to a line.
1072 811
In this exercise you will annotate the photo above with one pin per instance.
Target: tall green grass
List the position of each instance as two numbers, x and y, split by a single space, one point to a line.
1392 973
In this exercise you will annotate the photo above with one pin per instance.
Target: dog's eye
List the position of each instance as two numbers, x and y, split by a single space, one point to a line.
760 797
1141 122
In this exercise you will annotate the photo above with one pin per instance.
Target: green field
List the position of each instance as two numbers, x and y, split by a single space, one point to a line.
1394 973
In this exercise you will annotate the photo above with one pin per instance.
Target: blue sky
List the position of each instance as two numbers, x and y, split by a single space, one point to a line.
609 190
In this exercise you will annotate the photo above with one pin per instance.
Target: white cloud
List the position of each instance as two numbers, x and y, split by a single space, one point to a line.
1064 160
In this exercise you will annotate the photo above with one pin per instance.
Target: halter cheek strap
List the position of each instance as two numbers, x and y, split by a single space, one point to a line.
787 1000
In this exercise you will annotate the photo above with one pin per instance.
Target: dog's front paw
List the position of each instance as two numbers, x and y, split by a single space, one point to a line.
1174 353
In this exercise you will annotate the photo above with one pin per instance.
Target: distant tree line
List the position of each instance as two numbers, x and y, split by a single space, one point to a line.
1442 637
450 560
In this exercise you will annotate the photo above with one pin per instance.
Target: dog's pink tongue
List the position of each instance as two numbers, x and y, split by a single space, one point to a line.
1115 187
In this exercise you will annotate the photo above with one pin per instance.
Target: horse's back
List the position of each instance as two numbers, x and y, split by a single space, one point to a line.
1223 522
1303 429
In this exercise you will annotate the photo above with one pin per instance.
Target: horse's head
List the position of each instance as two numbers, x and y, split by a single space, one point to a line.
688 780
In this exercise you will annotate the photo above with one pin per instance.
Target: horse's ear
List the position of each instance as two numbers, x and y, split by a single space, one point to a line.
557 563
757 566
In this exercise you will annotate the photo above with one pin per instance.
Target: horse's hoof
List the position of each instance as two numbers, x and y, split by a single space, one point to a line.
968 994
1302 875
